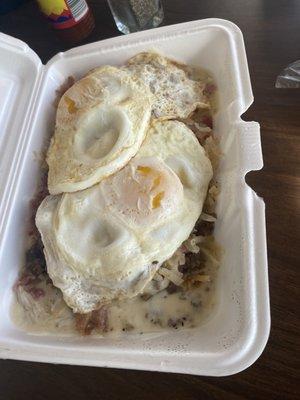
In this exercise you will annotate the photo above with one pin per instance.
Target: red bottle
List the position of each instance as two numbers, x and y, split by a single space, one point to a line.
72 19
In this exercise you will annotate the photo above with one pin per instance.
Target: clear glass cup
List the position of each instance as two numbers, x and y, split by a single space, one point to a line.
136 15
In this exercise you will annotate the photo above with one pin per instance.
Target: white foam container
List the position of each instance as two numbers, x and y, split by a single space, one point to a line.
237 331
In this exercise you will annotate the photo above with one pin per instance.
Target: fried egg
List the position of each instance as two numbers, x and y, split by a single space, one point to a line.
105 243
101 123
176 96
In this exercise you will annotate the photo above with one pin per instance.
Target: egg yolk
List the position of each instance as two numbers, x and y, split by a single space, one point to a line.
144 192
71 105
156 183
157 200
156 180
144 170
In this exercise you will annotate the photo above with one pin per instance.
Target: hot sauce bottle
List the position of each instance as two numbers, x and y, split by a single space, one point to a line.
72 20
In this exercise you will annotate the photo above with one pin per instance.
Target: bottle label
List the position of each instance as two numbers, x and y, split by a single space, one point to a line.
64 13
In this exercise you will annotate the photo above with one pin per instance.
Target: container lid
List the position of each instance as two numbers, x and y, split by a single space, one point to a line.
20 72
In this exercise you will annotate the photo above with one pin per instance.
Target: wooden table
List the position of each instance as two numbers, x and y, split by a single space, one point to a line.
272 36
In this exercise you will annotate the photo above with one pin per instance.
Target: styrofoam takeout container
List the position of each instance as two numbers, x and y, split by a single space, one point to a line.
237 331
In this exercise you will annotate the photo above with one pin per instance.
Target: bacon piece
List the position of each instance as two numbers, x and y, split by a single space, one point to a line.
97 319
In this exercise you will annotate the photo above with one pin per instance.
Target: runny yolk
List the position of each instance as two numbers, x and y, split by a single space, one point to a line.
71 105
157 199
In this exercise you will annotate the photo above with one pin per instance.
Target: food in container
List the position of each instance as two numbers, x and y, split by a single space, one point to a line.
236 331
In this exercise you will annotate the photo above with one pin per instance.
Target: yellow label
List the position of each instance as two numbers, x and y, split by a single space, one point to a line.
49 7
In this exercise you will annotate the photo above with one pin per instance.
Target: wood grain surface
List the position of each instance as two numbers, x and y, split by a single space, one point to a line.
272 37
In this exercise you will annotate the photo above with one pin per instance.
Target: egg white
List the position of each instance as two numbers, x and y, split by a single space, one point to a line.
106 242
175 95
101 122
